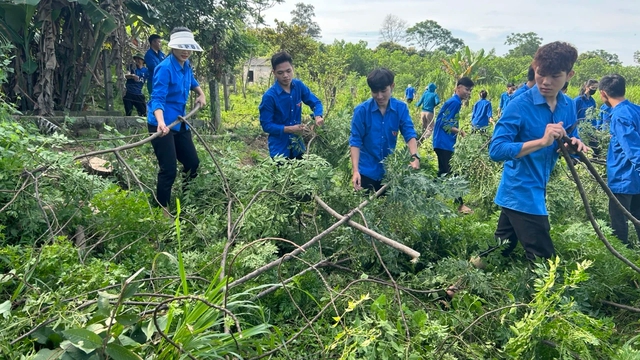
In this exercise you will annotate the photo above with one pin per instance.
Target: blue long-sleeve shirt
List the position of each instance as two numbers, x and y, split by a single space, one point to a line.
429 99
409 92
279 109
582 104
521 90
524 180
448 117
482 111
505 98
605 117
152 59
135 87
376 135
172 84
623 157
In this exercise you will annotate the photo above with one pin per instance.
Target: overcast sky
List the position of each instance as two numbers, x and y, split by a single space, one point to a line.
612 25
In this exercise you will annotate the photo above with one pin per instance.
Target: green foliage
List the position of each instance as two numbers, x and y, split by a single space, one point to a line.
428 35
526 44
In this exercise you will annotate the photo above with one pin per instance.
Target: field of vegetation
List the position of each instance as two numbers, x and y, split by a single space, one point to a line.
89 269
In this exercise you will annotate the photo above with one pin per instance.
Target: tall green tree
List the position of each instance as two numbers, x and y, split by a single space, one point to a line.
428 35
636 57
525 44
303 16
611 59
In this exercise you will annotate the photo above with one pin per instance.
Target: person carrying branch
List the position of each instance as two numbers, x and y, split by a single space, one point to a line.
374 131
623 157
281 110
173 79
525 139
135 81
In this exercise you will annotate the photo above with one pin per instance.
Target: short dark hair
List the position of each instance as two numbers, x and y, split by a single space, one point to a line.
465 81
531 74
614 85
279 58
153 37
483 93
554 58
380 78
510 85
178 29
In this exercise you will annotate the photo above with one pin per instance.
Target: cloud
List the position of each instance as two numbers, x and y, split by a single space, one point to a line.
588 24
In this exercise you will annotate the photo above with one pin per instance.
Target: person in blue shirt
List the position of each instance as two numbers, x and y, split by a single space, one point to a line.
173 80
135 80
153 57
525 140
531 80
623 157
281 110
605 117
505 98
447 128
429 100
374 131
409 93
482 113
585 102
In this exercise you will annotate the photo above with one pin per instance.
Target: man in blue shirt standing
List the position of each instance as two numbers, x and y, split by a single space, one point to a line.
409 93
531 80
374 131
505 98
135 80
152 58
525 139
623 157
482 113
446 131
429 100
281 110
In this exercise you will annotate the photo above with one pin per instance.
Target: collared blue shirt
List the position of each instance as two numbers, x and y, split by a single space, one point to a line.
409 92
521 90
135 87
448 117
481 113
605 117
429 100
623 157
524 180
279 109
172 84
376 136
505 98
152 59
582 104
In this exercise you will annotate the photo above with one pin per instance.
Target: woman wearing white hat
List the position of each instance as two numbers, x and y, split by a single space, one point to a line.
173 80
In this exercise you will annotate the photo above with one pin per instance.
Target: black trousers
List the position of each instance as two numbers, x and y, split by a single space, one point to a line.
532 231
370 185
138 101
444 166
619 220
176 145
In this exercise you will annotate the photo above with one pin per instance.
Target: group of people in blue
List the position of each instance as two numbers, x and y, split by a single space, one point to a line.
525 135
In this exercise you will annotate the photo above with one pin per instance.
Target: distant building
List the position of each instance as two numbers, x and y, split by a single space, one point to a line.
257 70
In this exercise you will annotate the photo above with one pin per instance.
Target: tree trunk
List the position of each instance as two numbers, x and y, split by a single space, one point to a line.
48 61
108 93
245 77
214 100
225 89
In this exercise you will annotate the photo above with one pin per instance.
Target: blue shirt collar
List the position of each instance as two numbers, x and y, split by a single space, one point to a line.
279 88
176 64
456 98
538 99
391 106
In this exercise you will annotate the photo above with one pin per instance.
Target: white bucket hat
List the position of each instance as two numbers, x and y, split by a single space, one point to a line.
183 40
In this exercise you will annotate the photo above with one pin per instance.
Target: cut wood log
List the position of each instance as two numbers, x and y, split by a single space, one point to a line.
98 166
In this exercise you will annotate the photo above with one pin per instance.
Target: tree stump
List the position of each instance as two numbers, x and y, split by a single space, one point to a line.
98 166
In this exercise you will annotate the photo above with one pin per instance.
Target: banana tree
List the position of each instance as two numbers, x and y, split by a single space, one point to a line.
465 63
